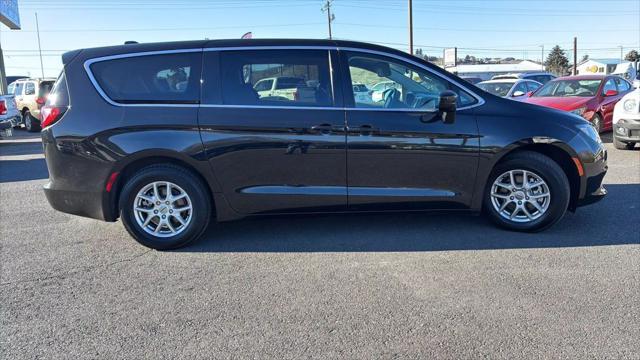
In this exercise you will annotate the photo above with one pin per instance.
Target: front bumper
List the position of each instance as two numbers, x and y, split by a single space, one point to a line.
595 168
627 130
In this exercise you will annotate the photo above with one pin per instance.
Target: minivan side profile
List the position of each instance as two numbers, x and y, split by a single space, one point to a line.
168 136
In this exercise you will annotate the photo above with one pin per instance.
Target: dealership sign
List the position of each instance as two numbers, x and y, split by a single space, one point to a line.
450 57
9 14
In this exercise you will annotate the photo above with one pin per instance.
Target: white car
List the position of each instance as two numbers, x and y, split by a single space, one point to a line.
378 90
509 88
626 121
542 77
362 94
284 88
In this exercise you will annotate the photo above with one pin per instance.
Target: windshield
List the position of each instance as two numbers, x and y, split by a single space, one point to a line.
566 88
500 89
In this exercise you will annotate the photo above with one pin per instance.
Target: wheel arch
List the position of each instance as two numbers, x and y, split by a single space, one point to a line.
558 151
137 161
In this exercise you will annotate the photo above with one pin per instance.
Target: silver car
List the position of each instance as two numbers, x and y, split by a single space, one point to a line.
510 88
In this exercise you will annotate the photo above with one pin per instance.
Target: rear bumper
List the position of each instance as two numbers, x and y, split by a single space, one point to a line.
87 204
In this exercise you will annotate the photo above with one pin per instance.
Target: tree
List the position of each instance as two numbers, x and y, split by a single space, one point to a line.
585 58
632 56
557 61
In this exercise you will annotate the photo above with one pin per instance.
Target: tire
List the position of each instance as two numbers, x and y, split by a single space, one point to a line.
537 166
621 145
182 181
30 123
597 122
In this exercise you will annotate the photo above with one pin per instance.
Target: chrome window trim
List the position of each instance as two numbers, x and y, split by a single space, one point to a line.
89 62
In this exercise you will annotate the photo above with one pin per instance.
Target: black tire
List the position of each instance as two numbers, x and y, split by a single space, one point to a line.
545 168
597 122
190 183
621 145
30 123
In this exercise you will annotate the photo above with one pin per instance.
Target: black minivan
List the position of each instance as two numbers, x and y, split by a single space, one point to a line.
167 136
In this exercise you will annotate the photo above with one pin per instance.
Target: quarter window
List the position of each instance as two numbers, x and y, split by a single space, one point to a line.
398 85
276 78
30 88
609 85
623 86
171 78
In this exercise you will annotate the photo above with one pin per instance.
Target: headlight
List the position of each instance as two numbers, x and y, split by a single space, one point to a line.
590 131
579 111
629 105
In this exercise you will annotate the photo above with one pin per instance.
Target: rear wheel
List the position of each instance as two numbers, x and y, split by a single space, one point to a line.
621 145
165 207
527 192
30 123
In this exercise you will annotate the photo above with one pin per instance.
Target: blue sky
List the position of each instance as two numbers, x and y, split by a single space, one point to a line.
490 28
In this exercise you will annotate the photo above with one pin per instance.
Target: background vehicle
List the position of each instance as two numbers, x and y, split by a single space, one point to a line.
471 80
166 136
626 121
9 116
541 77
590 96
509 88
13 78
282 88
30 95
379 88
362 94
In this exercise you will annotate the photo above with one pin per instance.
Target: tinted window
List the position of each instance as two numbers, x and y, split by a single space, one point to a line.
45 88
521 87
405 86
19 88
622 85
171 78
302 77
263 85
30 88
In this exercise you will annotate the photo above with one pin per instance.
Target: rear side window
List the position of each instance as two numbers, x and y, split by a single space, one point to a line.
302 78
30 88
19 88
11 88
170 78
45 88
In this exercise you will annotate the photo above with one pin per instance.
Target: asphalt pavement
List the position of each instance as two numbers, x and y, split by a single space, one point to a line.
335 286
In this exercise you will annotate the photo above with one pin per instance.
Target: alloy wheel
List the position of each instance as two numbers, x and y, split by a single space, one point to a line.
163 209
520 195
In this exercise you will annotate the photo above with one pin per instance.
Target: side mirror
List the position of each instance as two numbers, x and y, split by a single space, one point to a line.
517 93
611 93
447 106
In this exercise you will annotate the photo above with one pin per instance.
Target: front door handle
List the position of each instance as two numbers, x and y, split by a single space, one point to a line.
363 129
322 128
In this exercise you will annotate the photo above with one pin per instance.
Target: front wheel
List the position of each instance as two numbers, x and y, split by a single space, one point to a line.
165 207
527 192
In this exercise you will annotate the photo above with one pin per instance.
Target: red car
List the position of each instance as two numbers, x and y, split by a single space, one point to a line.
591 96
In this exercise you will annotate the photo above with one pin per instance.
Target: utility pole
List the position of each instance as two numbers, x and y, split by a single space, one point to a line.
410 27
621 51
542 57
39 47
575 56
330 16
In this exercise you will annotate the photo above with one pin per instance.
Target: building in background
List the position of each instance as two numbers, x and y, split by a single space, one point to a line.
487 71
599 66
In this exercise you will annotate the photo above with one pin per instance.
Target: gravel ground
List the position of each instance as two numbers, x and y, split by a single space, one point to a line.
335 286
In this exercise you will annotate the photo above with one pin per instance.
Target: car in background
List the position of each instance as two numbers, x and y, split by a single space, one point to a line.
510 88
471 79
378 90
362 94
282 88
626 121
541 77
9 115
30 96
14 78
591 96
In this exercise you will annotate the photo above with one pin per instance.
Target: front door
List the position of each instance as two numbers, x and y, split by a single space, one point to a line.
274 152
400 152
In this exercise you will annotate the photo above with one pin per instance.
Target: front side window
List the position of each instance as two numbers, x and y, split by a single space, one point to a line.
610 85
30 88
398 85
276 78
170 78
520 88
533 86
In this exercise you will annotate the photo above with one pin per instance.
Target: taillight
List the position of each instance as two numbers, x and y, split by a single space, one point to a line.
40 100
3 107
50 114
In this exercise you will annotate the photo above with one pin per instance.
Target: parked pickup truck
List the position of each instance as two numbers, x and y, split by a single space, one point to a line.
9 115
285 88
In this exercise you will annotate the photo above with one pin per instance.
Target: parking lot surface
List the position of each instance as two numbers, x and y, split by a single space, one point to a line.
335 286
